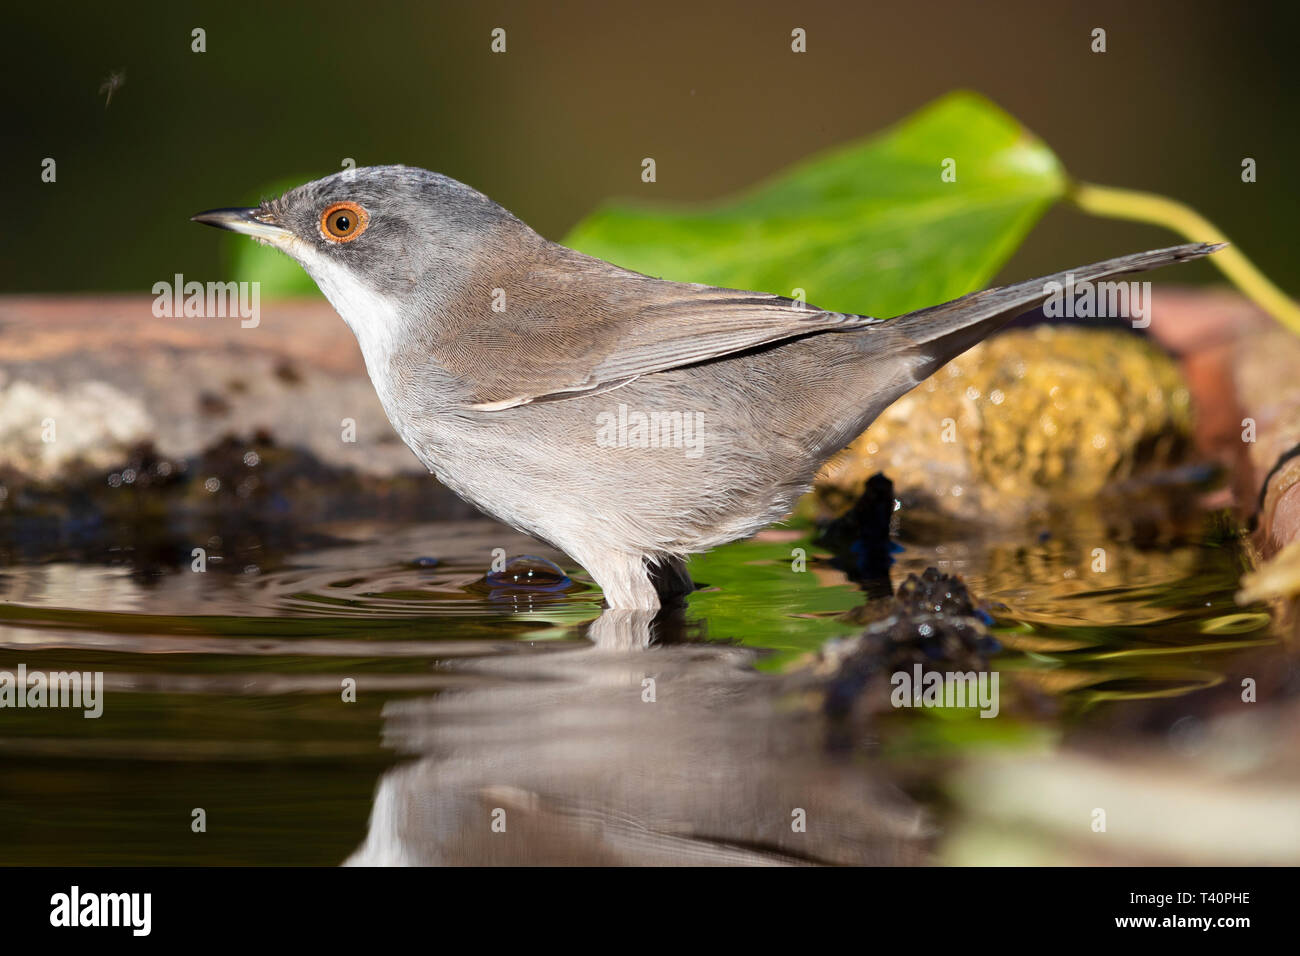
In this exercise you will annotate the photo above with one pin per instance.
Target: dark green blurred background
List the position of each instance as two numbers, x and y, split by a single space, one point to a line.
561 121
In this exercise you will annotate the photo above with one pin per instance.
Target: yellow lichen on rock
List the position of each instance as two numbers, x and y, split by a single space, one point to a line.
1024 418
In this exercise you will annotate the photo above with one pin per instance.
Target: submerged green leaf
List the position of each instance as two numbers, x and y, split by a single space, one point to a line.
871 227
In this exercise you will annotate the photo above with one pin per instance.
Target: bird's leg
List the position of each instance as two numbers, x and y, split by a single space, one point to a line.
625 579
634 582
671 579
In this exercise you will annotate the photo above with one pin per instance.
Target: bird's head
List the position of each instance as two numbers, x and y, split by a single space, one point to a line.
388 245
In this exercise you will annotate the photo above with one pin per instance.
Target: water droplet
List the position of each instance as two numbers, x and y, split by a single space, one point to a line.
530 573
425 562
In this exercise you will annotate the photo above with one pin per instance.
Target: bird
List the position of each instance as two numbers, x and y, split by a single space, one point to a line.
626 420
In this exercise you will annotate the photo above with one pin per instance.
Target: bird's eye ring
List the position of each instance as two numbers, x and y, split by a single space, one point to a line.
343 222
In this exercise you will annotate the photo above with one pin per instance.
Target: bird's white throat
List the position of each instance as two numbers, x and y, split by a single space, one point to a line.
374 319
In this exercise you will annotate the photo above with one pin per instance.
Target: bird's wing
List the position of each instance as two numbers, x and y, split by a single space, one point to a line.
580 326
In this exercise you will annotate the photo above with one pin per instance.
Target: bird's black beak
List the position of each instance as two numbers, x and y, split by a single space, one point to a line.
251 222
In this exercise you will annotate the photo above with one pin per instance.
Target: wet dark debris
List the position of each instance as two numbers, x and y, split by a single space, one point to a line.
933 621
859 539
255 499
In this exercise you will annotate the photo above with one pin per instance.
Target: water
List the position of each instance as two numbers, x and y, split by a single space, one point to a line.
697 737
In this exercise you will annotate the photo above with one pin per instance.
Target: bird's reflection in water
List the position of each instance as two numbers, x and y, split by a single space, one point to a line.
647 747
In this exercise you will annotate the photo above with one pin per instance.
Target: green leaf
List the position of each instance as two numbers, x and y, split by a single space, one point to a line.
870 227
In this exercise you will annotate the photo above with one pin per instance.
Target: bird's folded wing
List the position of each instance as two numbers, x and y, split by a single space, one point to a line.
582 332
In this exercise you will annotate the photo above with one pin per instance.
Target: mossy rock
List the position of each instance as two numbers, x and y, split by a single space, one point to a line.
1028 418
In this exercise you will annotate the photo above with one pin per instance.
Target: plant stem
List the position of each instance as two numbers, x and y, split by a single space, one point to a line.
1149 207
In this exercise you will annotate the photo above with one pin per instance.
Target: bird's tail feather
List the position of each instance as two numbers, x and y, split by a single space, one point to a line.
943 332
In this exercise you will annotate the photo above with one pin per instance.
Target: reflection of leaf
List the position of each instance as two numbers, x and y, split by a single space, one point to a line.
870 227
750 588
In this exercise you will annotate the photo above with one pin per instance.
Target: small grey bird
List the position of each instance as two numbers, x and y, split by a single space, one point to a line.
626 420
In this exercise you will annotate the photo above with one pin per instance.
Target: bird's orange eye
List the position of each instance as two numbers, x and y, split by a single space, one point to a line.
343 222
